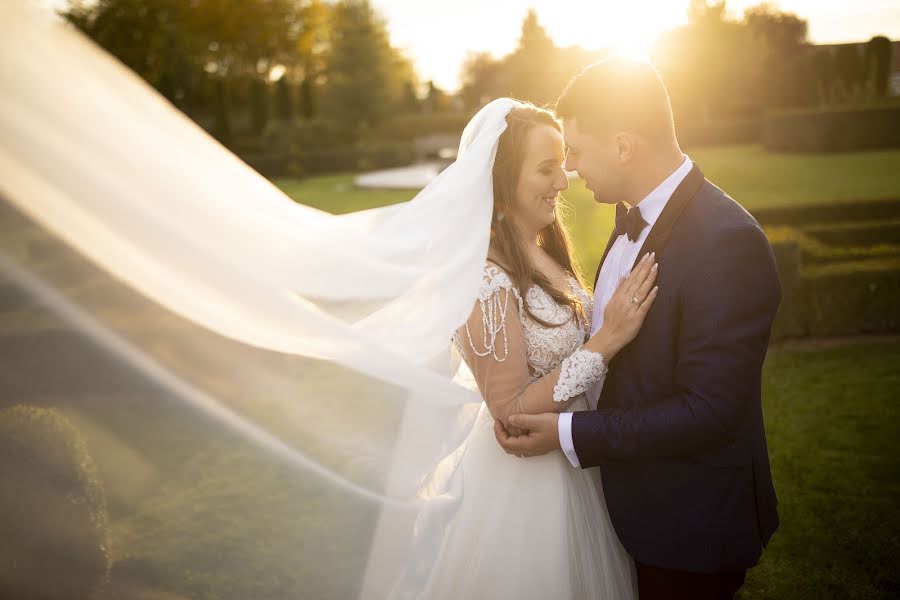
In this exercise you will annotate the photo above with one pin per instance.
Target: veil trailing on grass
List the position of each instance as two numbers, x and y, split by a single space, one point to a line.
263 396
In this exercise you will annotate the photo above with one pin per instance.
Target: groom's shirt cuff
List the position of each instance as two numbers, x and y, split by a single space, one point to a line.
565 438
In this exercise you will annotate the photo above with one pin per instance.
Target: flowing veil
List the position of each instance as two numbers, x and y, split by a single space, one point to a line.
258 380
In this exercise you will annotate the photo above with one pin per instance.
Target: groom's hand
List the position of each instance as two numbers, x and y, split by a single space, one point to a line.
540 437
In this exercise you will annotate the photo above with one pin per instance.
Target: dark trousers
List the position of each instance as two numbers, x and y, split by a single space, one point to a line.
658 583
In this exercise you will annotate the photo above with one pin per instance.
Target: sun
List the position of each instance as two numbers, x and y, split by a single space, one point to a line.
626 27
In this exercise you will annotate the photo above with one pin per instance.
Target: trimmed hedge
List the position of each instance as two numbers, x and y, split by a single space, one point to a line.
841 299
363 157
832 130
870 210
55 542
814 251
734 131
839 267
406 128
298 148
838 288
863 233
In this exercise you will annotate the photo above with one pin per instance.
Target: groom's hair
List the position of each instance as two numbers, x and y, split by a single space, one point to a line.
619 93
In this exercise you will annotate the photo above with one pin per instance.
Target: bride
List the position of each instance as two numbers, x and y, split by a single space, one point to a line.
536 528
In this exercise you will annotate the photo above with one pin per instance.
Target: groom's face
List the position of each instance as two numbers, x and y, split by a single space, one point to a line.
596 159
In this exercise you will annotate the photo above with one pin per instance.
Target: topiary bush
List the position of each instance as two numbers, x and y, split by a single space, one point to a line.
55 542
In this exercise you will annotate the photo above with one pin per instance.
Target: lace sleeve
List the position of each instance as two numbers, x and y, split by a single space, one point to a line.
492 341
578 373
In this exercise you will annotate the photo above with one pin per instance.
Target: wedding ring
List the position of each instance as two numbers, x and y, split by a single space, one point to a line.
634 300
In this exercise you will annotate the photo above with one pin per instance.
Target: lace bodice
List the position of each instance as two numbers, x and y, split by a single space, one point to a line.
545 348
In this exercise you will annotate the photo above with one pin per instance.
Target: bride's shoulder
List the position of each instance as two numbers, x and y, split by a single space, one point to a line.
495 278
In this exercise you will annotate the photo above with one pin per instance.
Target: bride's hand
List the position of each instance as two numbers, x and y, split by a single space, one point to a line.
625 312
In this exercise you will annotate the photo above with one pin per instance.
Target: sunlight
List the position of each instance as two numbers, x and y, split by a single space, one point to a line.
629 28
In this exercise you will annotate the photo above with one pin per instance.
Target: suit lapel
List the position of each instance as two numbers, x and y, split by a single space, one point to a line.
662 229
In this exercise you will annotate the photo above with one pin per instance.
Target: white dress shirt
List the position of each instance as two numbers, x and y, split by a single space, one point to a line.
618 264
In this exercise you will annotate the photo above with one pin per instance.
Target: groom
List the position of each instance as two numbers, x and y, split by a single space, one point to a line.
678 428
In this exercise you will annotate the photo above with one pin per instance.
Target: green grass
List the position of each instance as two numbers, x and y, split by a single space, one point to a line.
757 178
336 193
754 177
831 417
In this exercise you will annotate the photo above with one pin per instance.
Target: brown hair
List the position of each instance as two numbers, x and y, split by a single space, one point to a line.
619 92
507 248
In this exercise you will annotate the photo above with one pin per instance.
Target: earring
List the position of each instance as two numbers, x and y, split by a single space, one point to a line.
500 216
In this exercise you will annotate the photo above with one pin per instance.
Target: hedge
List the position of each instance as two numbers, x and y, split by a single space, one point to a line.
733 131
863 210
860 233
832 130
840 247
835 297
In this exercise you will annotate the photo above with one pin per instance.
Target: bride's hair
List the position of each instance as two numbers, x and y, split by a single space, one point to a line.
506 247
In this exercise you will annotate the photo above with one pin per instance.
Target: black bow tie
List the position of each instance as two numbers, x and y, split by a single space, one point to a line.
629 222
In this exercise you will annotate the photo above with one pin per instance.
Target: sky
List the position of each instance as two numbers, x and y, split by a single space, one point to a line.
438 34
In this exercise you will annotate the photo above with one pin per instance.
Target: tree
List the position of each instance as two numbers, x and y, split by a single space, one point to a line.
436 99
306 99
365 76
481 80
788 74
149 37
312 47
284 102
178 46
532 68
411 102
259 105
878 65
823 70
783 34
709 65
849 69
222 112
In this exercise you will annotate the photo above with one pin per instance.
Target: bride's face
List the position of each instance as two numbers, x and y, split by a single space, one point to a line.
542 178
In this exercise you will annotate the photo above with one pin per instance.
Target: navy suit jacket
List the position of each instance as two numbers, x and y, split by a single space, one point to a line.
678 433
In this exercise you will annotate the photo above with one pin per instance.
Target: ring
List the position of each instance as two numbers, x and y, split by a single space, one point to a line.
634 300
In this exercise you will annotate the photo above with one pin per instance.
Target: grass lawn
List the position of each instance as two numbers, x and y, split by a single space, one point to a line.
757 178
831 420
754 177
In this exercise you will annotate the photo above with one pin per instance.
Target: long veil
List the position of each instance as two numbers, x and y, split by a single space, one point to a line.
263 396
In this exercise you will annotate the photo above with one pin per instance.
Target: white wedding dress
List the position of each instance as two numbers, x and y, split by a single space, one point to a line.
535 527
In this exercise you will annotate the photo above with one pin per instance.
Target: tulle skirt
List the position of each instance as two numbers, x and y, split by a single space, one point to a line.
529 528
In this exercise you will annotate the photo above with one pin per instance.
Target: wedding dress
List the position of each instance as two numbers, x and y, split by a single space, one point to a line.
535 527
